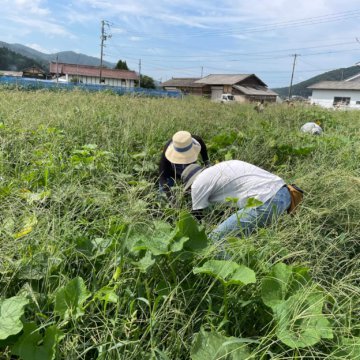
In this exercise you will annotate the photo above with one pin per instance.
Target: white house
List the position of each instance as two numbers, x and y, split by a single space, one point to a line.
344 94
91 75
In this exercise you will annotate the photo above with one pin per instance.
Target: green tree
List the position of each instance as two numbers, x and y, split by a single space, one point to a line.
121 65
12 61
146 82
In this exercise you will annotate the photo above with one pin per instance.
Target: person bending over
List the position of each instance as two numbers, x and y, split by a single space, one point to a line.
242 181
183 149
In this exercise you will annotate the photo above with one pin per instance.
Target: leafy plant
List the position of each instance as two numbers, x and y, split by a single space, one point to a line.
11 310
32 345
228 273
214 346
297 306
70 299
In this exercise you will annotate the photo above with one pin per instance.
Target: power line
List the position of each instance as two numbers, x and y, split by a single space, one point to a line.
333 17
264 54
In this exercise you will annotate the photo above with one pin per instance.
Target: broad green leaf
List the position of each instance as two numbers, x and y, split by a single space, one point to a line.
252 202
274 286
300 322
145 263
70 299
224 139
11 310
213 346
107 294
228 272
32 346
348 348
160 240
188 227
282 282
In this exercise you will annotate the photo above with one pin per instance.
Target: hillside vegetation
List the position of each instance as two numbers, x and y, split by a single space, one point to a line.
69 57
12 61
95 265
301 89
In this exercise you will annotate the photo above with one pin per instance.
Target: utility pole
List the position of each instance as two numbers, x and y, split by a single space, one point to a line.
57 68
292 74
139 72
103 38
202 69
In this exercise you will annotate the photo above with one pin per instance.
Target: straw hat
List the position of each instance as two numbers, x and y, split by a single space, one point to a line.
190 173
183 149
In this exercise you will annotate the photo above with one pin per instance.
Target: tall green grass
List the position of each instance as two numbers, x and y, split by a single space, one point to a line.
79 184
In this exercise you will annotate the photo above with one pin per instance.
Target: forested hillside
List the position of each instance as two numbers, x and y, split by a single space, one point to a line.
12 61
301 89
69 57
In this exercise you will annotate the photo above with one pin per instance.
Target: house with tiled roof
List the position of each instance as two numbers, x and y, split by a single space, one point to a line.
92 74
244 87
343 94
186 86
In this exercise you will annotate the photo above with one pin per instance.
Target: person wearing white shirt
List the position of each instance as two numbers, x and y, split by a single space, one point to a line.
312 128
243 181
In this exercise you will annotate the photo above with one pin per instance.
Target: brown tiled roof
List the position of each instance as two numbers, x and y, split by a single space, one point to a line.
182 82
336 85
85 70
33 70
255 90
227 79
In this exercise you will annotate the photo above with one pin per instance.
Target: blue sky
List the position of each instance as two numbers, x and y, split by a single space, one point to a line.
188 38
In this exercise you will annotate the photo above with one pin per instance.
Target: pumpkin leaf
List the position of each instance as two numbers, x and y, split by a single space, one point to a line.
228 272
213 346
33 346
300 322
11 310
69 300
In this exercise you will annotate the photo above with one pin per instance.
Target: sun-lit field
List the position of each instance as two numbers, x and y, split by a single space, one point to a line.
94 264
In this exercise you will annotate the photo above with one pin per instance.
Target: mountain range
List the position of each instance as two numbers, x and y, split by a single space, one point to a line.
69 57
72 57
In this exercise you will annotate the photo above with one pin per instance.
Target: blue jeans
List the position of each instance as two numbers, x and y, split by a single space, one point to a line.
246 220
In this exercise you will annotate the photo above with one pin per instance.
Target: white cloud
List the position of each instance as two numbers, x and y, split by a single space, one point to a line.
33 7
46 26
40 48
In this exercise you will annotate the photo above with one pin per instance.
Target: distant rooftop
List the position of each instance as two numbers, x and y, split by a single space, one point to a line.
184 82
336 85
226 79
86 70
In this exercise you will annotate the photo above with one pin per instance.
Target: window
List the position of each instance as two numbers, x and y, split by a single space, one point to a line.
341 101
358 103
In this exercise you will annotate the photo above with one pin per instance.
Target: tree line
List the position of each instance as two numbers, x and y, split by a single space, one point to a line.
12 61
145 81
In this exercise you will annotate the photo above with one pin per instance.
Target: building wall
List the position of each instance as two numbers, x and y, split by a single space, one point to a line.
95 81
325 98
216 92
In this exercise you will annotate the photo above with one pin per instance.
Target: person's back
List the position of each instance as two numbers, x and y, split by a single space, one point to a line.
311 128
240 180
233 178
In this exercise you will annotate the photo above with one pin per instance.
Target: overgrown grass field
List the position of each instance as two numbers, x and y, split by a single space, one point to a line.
95 265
